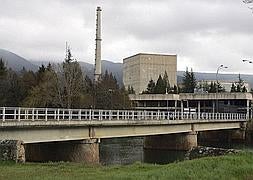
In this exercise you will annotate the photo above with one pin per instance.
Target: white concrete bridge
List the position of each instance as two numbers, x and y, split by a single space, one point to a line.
33 125
46 134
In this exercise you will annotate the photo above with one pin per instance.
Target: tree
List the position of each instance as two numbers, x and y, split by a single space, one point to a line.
3 83
189 81
3 68
220 87
63 87
233 88
130 90
108 95
160 87
244 90
166 81
175 89
239 85
40 73
70 84
45 93
151 87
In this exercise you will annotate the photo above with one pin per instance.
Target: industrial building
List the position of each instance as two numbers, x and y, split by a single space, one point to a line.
139 69
195 102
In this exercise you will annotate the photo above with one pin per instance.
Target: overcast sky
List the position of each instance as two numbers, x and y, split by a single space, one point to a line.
203 33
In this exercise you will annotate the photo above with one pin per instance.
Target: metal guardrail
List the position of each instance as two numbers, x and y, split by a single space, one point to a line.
52 114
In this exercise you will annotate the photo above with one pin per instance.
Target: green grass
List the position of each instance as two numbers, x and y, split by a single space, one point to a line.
230 167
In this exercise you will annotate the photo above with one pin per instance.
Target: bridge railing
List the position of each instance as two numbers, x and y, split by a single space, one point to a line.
52 114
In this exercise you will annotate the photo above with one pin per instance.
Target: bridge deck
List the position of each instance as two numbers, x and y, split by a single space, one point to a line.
45 125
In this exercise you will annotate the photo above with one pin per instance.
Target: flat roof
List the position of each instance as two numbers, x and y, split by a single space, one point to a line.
191 96
147 97
152 54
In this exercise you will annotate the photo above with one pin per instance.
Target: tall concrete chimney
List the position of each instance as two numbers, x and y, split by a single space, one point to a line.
97 72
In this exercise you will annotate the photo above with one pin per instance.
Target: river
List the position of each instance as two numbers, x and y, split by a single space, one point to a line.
130 150
122 151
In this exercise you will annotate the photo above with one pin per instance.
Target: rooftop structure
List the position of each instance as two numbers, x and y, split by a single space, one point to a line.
202 102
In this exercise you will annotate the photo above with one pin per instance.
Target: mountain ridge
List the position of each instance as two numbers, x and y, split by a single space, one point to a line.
12 60
16 62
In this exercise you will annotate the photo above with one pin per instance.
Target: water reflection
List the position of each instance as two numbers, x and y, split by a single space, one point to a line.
121 150
130 150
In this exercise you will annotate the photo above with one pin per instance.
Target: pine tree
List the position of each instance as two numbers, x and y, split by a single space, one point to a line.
233 88
130 90
166 81
189 81
151 87
175 90
212 88
3 69
40 73
244 90
160 87
108 95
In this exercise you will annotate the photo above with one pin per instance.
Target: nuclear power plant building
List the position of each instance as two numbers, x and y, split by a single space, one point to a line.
139 69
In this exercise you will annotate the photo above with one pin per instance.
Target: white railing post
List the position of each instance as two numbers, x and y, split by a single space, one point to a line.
85 114
19 114
93 114
80 114
117 114
58 114
33 114
90 114
99 115
55 114
46 114
3 114
15 114
70 114
26 114
37 116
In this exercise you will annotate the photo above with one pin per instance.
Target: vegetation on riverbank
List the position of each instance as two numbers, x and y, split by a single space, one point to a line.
239 166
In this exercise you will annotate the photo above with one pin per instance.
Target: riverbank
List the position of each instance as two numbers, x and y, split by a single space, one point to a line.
236 166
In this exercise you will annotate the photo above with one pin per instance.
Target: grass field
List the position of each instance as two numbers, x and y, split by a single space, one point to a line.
229 167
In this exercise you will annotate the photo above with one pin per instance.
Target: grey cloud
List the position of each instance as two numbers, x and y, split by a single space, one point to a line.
203 33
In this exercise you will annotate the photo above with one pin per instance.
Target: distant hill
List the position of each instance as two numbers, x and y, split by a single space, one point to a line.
212 76
115 68
15 62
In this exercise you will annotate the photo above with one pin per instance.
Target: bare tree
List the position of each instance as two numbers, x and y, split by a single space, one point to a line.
70 83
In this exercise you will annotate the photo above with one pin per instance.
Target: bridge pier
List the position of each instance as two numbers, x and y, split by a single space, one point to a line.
182 141
84 151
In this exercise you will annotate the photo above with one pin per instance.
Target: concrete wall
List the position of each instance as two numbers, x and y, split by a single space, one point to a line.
139 69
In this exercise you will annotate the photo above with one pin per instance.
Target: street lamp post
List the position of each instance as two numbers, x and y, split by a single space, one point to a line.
249 114
217 82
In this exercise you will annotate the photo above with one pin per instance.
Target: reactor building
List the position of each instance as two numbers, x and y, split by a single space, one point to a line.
139 69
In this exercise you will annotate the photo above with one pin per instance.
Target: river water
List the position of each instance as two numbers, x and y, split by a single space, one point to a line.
130 150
